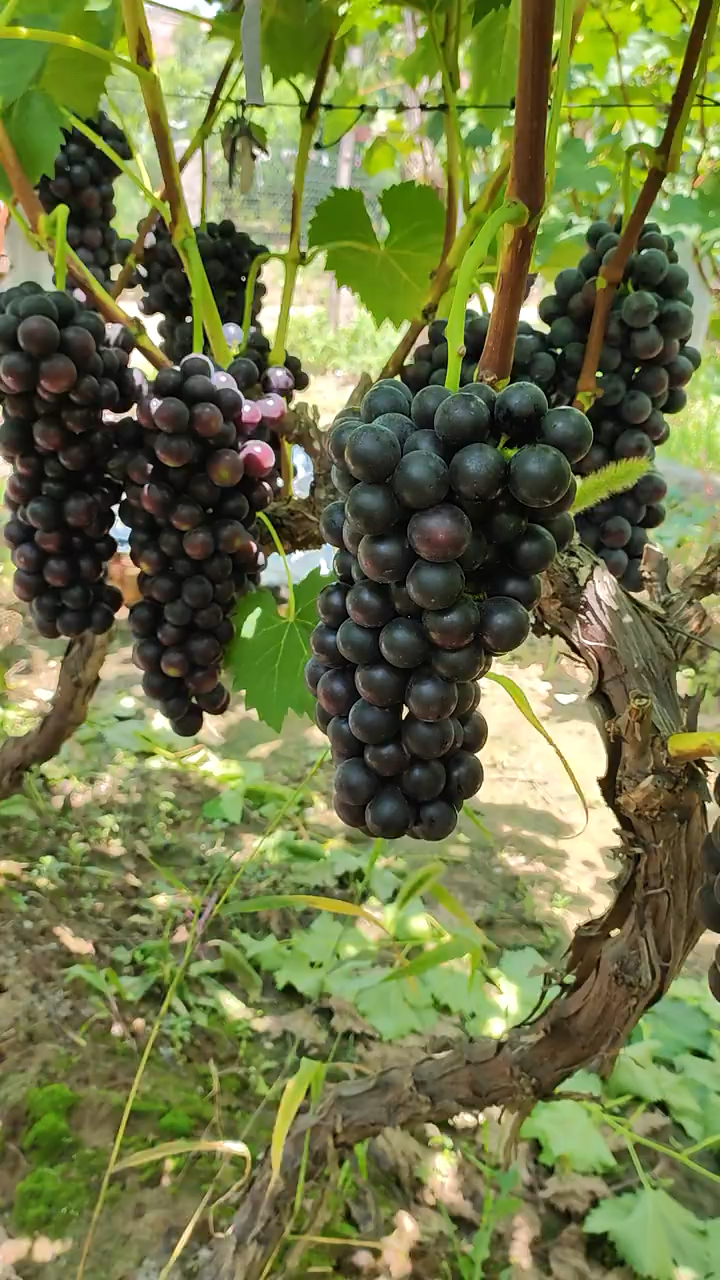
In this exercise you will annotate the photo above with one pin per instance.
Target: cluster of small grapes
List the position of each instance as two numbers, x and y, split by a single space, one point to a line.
57 377
533 361
83 180
228 255
441 534
193 478
709 896
645 364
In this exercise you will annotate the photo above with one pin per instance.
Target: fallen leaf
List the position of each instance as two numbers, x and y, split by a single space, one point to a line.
12 1251
45 1250
525 1228
299 1022
10 868
574 1193
569 1261
76 945
397 1247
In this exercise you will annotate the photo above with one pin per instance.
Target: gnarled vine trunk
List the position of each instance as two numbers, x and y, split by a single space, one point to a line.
616 966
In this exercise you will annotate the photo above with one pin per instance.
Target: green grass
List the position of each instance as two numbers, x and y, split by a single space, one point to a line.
695 433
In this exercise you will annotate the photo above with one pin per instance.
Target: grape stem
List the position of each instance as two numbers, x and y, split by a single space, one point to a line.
611 273
109 309
293 257
215 105
513 212
141 49
526 183
283 556
255 267
65 41
455 166
567 20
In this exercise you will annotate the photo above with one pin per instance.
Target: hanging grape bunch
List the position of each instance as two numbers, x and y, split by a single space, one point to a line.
228 255
195 474
532 359
83 180
441 536
57 377
644 366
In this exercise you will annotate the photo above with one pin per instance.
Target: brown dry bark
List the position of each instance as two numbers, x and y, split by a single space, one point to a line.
616 966
79 674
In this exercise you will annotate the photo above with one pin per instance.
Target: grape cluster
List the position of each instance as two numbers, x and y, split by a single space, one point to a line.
644 366
228 255
194 477
441 535
708 903
83 180
57 377
533 361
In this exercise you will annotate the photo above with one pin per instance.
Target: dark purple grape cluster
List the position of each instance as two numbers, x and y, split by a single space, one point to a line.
57 379
194 477
533 361
441 534
228 255
644 366
83 180
708 903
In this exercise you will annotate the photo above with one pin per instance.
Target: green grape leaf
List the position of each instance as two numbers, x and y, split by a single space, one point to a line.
67 76
390 278
341 118
493 60
677 1026
379 156
33 123
578 169
396 1011
78 79
566 1132
294 35
270 649
652 1232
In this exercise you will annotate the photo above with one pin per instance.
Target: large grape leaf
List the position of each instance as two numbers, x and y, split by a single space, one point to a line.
493 58
652 1232
294 35
389 277
566 1133
78 79
33 123
74 79
270 649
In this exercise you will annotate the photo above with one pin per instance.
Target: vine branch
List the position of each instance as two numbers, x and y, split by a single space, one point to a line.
611 273
526 183
140 45
293 257
200 136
